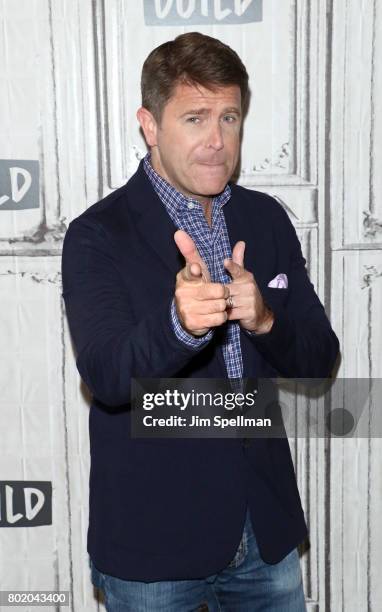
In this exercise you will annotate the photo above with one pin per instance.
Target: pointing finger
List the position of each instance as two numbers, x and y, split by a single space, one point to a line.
233 268
238 253
190 253
187 247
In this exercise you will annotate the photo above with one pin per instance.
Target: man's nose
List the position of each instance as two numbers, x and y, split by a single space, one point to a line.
215 137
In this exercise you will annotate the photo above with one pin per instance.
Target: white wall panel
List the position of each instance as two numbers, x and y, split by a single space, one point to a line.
31 408
44 416
357 307
355 490
49 114
356 124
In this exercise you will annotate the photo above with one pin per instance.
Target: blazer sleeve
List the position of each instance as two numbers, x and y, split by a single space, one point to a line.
301 343
111 348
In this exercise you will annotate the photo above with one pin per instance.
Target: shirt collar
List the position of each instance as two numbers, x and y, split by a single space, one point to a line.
166 191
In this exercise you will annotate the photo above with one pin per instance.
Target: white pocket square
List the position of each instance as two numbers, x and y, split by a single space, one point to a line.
279 282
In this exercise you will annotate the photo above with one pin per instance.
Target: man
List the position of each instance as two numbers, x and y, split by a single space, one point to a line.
177 274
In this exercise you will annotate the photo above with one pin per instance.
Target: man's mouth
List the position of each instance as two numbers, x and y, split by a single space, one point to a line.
211 164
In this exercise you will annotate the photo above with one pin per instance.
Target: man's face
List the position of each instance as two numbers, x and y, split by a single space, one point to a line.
196 146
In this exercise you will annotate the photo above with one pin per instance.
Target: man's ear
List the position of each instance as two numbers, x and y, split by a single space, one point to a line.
148 125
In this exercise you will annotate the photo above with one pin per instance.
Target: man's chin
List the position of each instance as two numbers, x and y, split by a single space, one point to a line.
212 188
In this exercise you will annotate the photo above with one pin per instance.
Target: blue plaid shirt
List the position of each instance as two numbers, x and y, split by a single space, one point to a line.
213 246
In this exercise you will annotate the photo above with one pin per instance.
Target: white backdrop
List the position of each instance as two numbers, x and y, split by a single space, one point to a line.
69 90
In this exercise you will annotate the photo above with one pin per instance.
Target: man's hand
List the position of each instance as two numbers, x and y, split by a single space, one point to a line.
248 306
200 304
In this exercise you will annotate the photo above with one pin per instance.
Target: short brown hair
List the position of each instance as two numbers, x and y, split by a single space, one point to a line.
194 59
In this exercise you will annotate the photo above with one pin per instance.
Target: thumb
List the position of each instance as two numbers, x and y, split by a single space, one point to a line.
190 253
238 253
235 266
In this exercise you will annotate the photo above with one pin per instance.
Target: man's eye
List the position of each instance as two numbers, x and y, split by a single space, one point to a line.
193 120
230 118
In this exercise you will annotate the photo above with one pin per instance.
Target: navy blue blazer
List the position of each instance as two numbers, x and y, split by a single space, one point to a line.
164 509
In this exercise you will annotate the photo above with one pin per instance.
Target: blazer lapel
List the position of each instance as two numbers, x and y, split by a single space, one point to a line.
250 228
152 221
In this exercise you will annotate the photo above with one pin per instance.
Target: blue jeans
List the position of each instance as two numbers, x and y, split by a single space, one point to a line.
247 584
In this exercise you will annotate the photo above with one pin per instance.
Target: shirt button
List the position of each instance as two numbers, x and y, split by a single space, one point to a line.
190 205
230 348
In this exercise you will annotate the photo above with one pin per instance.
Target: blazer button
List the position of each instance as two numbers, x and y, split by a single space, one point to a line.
246 442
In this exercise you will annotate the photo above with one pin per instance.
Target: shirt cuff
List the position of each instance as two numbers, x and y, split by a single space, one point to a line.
187 339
